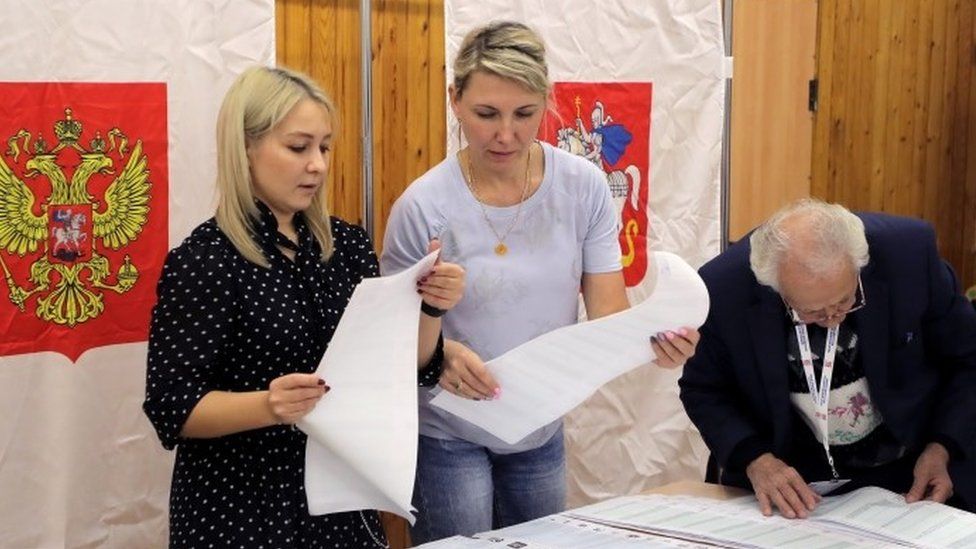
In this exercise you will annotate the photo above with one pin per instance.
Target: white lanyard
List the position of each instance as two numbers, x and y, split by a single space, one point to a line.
820 393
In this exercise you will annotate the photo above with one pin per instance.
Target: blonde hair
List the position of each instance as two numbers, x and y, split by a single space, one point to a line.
254 105
830 235
507 49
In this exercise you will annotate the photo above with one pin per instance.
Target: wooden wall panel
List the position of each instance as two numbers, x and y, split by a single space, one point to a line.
321 38
962 147
773 46
897 121
408 97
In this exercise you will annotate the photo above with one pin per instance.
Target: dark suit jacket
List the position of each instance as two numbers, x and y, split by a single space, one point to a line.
917 339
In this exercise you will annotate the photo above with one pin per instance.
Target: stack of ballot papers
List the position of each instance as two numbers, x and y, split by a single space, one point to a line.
865 518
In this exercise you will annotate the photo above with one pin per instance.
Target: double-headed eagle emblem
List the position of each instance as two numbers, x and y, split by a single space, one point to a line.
70 225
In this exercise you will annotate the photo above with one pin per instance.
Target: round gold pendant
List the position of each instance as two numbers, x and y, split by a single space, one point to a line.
501 249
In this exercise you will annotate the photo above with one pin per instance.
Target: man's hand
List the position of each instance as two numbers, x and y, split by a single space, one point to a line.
776 483
932 480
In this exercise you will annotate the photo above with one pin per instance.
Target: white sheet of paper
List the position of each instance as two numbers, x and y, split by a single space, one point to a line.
545 378
561 530
867 517
885 514
362 436
730 523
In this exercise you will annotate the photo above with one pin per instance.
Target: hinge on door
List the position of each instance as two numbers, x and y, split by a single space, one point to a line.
812 91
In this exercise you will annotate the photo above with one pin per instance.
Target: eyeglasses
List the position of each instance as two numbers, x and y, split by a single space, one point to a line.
828 313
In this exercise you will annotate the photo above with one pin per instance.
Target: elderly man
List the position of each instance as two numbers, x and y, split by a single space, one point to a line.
838 352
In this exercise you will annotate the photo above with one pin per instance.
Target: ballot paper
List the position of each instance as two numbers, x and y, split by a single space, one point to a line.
729 523
362 436
545 378
885 515
468 542
868 517
562 532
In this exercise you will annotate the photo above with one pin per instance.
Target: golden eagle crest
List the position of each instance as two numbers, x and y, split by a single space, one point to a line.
70 225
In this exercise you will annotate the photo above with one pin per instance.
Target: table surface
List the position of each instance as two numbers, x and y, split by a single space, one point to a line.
697 488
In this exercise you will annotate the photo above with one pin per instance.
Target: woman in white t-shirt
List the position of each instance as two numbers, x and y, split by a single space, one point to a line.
532 225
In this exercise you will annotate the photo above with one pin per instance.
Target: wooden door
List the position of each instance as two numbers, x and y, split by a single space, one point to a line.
773 47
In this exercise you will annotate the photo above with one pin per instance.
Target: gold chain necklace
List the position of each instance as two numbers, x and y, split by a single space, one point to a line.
500 248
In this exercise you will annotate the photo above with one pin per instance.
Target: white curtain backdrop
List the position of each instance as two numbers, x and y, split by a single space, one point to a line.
607 59
80 465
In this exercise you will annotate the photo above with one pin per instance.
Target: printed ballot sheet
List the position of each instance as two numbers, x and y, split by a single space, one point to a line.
545 378
884 514
362 436
867 517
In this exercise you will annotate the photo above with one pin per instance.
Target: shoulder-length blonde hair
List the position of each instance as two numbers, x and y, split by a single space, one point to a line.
254 105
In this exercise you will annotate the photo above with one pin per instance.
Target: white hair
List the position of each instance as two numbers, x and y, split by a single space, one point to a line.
821 236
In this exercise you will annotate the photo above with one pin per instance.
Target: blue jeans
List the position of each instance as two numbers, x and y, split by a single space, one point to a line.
464 488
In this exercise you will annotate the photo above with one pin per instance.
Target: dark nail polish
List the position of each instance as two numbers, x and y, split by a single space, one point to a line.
321 381
327 388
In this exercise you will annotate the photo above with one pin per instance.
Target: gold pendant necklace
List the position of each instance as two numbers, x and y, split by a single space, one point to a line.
500 248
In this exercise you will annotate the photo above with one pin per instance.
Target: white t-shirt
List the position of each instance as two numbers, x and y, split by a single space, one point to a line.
567 227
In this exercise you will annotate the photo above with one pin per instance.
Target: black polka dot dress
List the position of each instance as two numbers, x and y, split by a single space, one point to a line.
223 323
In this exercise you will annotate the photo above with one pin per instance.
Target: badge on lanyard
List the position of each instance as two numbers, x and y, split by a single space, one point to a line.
819 391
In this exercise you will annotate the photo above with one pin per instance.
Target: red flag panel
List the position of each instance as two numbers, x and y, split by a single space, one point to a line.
610 125
83 213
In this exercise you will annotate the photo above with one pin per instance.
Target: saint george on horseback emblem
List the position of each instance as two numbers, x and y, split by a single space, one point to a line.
610 126
66 231
70 229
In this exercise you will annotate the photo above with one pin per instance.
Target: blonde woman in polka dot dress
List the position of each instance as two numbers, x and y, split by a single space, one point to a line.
247 306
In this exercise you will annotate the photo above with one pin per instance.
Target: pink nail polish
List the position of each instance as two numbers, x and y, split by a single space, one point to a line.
683 332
